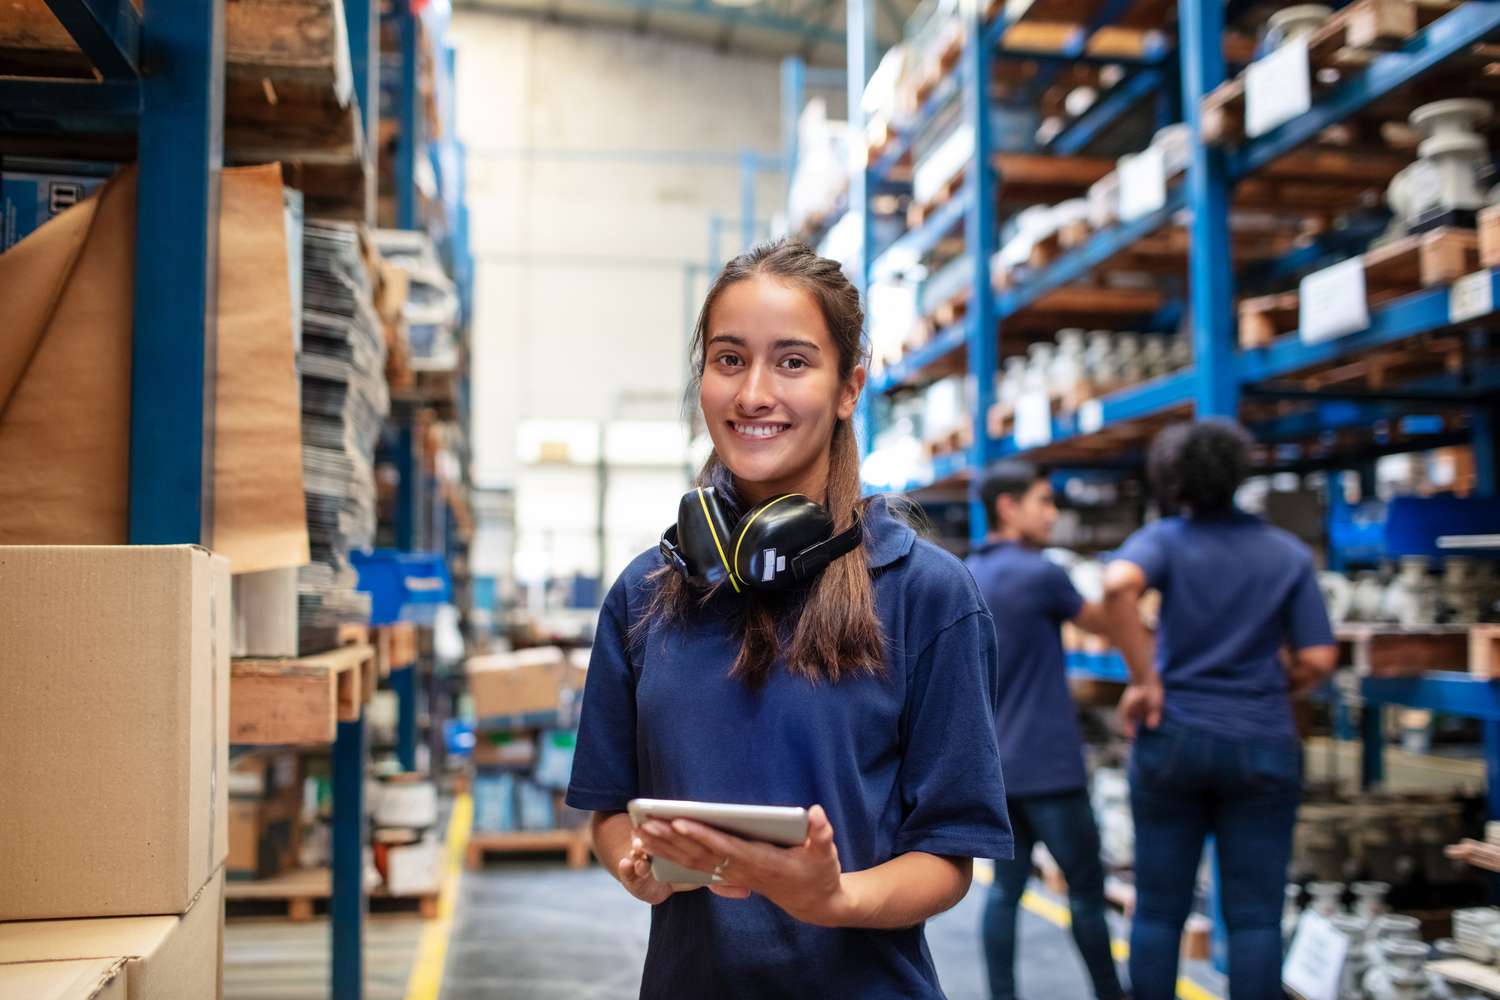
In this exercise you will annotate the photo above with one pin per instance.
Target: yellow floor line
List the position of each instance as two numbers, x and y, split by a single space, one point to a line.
426 981
1057 914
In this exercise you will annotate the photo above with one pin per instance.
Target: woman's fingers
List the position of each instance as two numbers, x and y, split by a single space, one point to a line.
664 842
729 891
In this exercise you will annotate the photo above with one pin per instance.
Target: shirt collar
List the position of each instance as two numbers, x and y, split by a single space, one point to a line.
887 536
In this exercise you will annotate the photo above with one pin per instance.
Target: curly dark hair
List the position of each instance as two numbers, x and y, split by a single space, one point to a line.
1199 465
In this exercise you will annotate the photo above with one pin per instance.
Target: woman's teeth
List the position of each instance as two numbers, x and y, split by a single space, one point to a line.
760 430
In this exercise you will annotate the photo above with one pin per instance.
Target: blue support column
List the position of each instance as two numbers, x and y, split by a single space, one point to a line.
406 486
793 97
348 902
411 121
1372 734
363 18
1337 506
860 19
1486 445
404 683
175 318
980 237
1200 33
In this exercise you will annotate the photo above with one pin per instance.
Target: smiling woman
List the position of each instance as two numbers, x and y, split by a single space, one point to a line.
865 693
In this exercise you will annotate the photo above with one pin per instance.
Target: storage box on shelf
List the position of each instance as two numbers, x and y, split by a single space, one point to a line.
132 719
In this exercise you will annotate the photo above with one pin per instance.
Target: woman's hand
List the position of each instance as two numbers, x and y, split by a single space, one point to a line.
635 875
1141 703
806 881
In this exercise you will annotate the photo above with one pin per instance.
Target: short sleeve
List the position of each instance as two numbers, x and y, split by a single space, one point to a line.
1306 615
1063 599
1145 548
604 765
952 792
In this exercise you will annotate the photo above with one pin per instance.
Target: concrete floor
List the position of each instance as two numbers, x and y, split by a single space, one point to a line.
538 931
541 932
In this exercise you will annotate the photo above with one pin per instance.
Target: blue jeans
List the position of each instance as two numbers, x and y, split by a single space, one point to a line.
1184 785
1064 822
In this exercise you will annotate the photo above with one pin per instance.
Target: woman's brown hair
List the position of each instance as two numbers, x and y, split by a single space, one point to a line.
829 631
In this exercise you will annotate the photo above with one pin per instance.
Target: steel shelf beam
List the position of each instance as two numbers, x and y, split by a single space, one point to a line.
1078 263
1446 37
947 341
1448 693
175 317
1408 316
108 107
108 32
1108 110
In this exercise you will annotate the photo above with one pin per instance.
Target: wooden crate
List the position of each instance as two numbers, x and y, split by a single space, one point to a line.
1392 651
1489 236
1484 651
1403 266
573 843
302 891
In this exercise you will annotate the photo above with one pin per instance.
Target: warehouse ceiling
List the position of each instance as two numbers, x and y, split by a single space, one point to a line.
812 29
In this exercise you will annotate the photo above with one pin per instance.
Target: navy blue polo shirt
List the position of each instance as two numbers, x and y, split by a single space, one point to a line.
1041 747
1234 591
902 762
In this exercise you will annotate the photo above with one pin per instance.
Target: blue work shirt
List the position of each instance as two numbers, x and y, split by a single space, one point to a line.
905 761
1041 747
1234 591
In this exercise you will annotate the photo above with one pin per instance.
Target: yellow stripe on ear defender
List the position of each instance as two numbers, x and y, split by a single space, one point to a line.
717 544
747 524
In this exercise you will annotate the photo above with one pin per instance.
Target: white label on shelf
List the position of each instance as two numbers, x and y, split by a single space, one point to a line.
1033 420
1331 303
1470 297
1143 183
1090 416
1278 88
1316 959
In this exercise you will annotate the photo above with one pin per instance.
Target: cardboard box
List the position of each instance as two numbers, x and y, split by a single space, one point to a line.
528 682
88 979
33 191
265 807
114 704
164 957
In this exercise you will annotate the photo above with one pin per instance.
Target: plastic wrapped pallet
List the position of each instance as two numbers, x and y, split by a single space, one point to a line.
822 170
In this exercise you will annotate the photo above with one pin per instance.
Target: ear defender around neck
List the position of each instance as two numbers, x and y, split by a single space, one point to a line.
778 544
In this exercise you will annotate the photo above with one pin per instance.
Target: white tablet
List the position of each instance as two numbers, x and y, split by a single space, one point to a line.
784 826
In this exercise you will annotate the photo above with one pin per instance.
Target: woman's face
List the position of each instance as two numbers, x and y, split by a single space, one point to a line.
771 392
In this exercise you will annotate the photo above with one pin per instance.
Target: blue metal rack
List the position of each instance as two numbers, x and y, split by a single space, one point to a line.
1221 373
163 76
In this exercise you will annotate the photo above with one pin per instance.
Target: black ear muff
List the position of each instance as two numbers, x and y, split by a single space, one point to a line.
785 541
703 536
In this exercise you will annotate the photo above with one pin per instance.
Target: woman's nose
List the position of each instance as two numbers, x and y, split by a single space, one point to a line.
755 391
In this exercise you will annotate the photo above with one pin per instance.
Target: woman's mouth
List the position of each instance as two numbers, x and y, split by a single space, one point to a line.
758 432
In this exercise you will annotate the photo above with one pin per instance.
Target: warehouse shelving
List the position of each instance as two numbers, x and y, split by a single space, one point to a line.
1222 374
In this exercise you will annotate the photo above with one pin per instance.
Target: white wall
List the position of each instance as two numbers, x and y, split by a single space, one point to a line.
583 238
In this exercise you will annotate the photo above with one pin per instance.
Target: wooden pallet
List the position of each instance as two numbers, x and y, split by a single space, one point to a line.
395 646
1351 38
301 891
291 701
1378 650
573 843
1399 268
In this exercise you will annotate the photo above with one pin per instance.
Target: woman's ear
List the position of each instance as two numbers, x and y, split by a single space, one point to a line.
849 392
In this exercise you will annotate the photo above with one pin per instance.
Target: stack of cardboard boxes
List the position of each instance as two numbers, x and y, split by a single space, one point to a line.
114 702
525 706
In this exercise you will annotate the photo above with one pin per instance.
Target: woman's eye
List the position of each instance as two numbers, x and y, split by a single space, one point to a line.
728 360
794 363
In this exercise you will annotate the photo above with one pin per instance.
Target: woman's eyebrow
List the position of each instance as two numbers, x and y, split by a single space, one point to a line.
779 345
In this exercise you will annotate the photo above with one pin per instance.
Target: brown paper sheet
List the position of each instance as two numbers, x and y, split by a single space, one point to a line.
66 294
